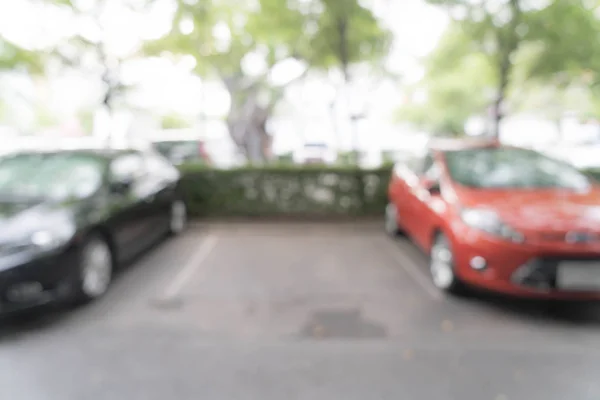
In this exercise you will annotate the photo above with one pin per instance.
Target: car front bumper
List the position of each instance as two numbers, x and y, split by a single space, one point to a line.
522 270
30 281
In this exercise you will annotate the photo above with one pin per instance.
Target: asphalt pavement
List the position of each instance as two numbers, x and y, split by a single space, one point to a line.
310 311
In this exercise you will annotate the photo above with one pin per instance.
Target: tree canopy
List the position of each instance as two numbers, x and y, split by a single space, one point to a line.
243 43
13 57
493 52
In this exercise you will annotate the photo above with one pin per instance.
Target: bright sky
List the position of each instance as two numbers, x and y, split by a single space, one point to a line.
167 87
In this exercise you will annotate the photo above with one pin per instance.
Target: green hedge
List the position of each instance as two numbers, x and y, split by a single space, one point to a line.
594 173
295 191
285 191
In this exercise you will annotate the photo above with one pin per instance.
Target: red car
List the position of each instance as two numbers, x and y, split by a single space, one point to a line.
501 218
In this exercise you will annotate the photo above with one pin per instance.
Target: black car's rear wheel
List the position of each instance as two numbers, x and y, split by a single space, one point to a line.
178 217
95 269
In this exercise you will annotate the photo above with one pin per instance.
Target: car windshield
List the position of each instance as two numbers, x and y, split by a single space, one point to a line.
512 168
57 176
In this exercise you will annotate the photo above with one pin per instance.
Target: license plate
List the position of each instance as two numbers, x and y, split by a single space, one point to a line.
578 275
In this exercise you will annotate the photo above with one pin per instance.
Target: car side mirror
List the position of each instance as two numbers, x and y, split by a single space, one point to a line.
121 186
432 186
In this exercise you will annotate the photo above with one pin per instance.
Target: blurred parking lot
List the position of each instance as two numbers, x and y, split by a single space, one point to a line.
302 311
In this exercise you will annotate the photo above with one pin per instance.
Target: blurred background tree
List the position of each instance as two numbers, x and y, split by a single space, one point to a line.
247 46
174 121
563 49
12 57
492 49
88 51
456 86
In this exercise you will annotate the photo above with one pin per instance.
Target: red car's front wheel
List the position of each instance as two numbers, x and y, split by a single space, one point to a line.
391 220
441 266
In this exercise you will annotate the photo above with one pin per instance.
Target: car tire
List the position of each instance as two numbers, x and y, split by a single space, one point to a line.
441 266
95 269
178 217
392 227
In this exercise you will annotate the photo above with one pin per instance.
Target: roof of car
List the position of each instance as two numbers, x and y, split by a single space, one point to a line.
452 144
105 153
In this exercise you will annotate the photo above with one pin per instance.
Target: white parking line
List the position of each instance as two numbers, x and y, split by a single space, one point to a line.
193 264
412 269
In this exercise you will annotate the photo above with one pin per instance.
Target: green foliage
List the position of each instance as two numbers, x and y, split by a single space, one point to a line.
594 173
347 33
564 42
496 51
289 191
457 85
347 158
45 118
226 31
13 56
285 159
563 49
224 35
86 119
278 29
306 191
172 121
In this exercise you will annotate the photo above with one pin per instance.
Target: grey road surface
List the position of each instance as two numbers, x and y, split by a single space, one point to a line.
297 311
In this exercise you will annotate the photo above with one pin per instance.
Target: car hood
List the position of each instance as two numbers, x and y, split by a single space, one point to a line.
543 209
19 219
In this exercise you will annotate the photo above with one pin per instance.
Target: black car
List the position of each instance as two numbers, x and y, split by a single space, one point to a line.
69 218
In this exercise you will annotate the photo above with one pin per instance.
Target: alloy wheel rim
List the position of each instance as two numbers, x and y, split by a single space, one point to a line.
178 216
441 266
97 269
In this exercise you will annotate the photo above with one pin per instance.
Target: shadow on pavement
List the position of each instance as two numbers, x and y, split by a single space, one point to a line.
566 313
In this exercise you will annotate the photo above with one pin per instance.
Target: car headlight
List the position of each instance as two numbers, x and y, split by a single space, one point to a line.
39 241
489 221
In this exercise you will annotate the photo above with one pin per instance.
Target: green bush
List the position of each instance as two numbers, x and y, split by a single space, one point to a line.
294 191
594 173
307 191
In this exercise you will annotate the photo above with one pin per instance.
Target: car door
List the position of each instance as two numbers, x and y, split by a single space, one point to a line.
130 213
162 184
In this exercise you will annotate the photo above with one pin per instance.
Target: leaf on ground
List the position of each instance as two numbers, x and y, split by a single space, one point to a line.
447 326
318 331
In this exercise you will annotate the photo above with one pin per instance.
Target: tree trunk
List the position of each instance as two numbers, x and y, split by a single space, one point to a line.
247 122
345 67
508 42
248 118
498 108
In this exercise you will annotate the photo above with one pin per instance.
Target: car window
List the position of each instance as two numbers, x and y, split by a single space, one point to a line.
414 163
512 168
159 167
420 164
128 167
55 175
427 165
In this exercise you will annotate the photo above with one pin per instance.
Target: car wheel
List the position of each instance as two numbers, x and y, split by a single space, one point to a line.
178 217
441 266
96 268
391 220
